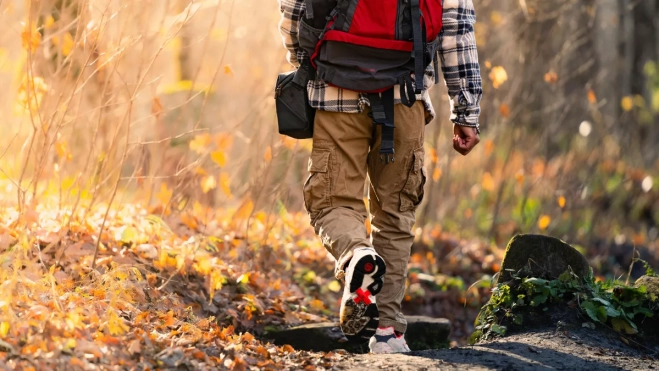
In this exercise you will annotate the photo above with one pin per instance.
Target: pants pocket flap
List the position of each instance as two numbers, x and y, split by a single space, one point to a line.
319 161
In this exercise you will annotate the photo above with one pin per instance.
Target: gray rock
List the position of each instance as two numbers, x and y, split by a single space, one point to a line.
423 333
544 256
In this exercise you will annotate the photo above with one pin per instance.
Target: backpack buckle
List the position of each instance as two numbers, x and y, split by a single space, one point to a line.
387 158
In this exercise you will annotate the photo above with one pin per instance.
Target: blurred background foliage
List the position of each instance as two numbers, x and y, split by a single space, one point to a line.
169 103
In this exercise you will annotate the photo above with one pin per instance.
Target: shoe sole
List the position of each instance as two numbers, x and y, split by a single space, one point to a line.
358 319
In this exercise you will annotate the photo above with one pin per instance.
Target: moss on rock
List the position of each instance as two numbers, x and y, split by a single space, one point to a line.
651 284
542 256
539 256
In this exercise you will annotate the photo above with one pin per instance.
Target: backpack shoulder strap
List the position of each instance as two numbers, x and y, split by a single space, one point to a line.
419 69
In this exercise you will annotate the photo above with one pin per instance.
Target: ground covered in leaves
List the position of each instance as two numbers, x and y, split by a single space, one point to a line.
195 289
163 293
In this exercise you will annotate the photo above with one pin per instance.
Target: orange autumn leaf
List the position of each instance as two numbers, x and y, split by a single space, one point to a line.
551 77
543 222
561 202
247 337
432 153
225 184
504 111
436 174
165 194
115 324
30 39
288 349
189 221
223 141
289 142
488 182
219 158
317 304
267 156
61 148
592 99
262 351
498 76
489 147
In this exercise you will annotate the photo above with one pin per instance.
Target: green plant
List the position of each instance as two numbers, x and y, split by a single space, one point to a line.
610 303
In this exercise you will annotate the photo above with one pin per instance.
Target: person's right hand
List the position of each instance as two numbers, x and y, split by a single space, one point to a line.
465 138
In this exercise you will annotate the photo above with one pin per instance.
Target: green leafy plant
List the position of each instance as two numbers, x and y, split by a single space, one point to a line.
609 303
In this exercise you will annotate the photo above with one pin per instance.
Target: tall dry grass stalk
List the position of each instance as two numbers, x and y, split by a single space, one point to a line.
158 101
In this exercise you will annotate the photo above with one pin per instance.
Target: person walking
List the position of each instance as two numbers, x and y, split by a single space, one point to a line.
367 56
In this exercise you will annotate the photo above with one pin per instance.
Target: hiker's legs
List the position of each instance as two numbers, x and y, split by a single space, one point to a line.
334 191
396 190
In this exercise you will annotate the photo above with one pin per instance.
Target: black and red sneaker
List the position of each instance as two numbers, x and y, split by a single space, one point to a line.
364 276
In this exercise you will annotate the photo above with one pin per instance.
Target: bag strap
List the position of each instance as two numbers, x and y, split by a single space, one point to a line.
419 69
382 112
309 9
342 9
407 95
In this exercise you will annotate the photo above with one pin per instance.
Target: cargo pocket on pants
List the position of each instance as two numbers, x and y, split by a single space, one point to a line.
317 186
412 193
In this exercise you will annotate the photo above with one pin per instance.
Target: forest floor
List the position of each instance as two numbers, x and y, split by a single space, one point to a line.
198 289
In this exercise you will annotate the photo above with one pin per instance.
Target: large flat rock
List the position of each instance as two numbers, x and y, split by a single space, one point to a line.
422 333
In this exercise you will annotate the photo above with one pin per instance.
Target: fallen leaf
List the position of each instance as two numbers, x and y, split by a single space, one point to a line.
135 347
4 329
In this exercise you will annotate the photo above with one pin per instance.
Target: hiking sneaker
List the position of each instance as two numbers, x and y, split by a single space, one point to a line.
359 315
386 340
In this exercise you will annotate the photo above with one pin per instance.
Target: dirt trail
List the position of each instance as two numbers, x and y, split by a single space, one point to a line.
559 345
538 351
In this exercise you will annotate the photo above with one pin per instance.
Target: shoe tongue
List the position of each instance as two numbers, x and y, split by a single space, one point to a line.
386 331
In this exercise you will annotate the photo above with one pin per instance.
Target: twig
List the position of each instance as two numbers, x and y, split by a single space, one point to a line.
631 266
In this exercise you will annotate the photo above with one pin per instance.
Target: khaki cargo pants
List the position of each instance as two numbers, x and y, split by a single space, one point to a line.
345 149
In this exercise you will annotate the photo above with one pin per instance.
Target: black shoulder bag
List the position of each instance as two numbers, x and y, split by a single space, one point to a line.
294 114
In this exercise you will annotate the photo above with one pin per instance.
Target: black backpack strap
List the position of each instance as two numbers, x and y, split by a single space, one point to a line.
407 95
382 111
417 32
343 9
308 9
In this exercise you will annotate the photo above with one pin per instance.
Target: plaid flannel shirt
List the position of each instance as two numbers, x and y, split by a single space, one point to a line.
458 56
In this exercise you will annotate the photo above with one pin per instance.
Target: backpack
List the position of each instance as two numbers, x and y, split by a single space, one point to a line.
369 46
